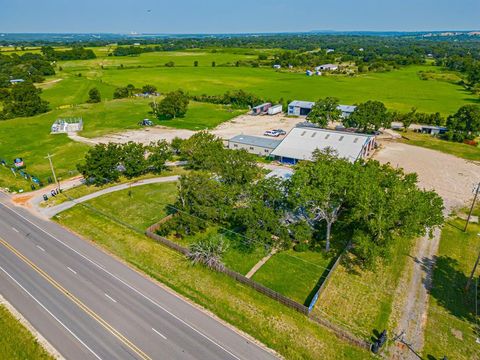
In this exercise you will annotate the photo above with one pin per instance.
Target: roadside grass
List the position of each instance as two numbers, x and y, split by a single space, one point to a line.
295 274
451 323
362 300
16 342
461 150
290 333
82 190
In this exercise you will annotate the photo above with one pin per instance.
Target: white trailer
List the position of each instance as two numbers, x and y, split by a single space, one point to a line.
275 109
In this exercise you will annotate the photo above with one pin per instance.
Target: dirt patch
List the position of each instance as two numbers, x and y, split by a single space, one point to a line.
243 124
451 177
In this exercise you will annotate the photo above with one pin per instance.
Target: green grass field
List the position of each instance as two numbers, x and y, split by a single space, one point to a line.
16 342
451 320
361 300
290 333
461 150
294 274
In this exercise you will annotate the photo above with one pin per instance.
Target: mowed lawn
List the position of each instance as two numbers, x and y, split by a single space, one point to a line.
361 300
290 333
295 274
140 206
461 150
16 342
451 319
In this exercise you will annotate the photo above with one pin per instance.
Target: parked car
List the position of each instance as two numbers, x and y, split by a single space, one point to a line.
280 131
146 122
273 133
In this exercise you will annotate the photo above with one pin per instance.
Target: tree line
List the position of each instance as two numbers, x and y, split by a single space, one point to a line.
75 53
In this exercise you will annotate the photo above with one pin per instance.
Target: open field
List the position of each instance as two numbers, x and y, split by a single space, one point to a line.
283 329
399 90
461 150
451 320
16 342
362 300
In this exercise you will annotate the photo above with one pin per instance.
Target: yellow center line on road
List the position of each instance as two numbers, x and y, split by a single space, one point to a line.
79 303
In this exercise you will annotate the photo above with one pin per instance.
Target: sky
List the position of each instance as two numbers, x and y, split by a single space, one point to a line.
236 16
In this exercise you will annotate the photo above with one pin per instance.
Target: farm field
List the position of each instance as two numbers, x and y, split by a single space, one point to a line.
451 320
399 90
16 342
283 329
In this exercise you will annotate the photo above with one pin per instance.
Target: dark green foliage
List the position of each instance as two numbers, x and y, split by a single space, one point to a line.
236 98
464 124
75 53
324 111
29 67
94 96
369 116
235 166
170 64
132 159
149 89
195 63
127 91
23 100
173 105
159 153
201 151
101 164
176 144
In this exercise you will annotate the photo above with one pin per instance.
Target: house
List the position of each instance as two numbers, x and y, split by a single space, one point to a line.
16 81
253 144
301 142
277 66
346 110
260 109
432 130
300 108
327 67
330 50
309 72
275 109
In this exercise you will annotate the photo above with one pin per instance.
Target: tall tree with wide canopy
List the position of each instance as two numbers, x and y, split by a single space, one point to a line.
369 116
325 111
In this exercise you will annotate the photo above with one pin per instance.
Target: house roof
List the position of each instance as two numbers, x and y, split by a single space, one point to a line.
329 66
301 142
346 108
261 105
256 141
433 127
302 104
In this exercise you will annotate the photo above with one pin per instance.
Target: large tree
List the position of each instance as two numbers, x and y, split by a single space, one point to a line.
202 151
94 96
173 105
325 111
369 116
23 100
319 189
132 157
159 153
101 164
464 124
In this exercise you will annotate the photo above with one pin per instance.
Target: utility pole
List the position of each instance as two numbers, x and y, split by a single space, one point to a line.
49 157
469 282
473 205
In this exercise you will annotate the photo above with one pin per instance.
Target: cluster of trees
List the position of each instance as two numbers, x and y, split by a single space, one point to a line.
21 100
464 124
130 90
236 98
75 53
173 105
367 204
105 163
29 67
134 50
466 64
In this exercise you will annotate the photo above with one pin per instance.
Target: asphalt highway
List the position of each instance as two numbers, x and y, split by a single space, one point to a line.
89 305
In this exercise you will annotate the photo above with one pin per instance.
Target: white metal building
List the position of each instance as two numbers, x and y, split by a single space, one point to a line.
301 142
327 67
253 144
303 108
346 110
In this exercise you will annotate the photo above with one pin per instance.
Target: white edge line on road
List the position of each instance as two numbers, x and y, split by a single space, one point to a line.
73 271
159 333
132 288
15 230
108 296
51 314
38 246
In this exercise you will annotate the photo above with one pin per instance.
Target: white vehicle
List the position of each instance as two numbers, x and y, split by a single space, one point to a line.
272 133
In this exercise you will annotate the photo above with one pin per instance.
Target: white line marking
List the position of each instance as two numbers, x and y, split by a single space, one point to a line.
38 246
163 336
50 313
73 271
15 230
111 298
129 286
